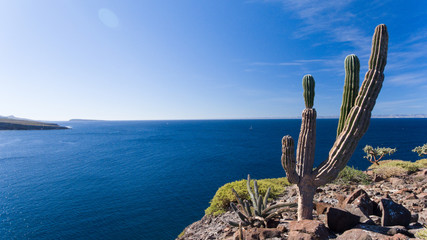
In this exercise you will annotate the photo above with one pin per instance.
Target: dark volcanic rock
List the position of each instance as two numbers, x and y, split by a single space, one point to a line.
340 220
393 213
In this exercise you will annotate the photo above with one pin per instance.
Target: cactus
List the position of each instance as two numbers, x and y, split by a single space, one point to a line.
300 170
259 214
308 85
351 87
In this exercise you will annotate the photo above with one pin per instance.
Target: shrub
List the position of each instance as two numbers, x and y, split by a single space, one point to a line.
422 234
350 175
224 196
390 168
374 155
421 150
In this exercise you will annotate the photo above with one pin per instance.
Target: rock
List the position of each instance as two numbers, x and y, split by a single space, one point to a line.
414 218
340 220
393 213
360 199
411 196
360 212
376 219
307 229
396 181
259 234
398 236
354 234
295 235
321 207
422 195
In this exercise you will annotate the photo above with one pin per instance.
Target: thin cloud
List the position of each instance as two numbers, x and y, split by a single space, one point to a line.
408 79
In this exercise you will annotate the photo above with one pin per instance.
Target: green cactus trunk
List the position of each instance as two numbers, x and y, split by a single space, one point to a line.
351 87
308 86
299 171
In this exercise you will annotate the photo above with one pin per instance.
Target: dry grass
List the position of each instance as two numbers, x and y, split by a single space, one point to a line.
393 168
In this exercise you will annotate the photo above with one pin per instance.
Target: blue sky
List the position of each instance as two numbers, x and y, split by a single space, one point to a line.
200 59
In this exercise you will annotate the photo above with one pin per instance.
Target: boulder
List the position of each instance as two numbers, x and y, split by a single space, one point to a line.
394 213
259 234
340 220
307 229
321 207
354 234
360 212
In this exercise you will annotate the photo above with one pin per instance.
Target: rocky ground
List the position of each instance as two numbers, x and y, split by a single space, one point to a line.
394 208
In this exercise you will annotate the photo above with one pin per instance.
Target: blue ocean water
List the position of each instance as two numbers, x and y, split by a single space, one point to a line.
150 179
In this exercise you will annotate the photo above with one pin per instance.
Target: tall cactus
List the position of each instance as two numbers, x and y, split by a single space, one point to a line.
300 170
351 87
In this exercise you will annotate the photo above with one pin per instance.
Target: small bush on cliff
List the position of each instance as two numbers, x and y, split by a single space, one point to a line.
391 168
374 155
224 196
350 175
421 150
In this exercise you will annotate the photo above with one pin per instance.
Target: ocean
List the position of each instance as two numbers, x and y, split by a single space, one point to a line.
150 179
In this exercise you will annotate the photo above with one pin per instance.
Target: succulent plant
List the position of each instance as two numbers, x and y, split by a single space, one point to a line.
300 170
351 87
256 213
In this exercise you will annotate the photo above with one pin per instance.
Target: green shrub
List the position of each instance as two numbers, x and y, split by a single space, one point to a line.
350 175
422 234
390 168
421 150
221 201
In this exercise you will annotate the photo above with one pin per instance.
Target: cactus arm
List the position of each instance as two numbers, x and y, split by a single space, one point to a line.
308 86
306 143
351 88
288 159
358 119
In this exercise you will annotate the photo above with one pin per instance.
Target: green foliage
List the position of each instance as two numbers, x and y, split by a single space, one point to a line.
224 196
374 155
256 213
308 86
181 234
390 168
421 150
350 175
422 234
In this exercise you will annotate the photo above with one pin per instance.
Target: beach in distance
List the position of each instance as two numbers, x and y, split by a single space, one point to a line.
150 179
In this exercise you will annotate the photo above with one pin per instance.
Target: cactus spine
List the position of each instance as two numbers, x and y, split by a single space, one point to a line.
351 87
300 170
308 86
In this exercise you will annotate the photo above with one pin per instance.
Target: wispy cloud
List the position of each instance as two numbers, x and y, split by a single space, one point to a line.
333 18
408 79
292 63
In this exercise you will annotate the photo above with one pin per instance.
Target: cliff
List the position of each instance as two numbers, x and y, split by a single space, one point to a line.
11 123
407 192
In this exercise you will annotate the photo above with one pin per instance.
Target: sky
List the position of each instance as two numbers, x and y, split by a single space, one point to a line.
200 59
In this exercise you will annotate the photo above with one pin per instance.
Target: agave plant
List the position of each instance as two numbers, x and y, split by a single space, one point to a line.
256 213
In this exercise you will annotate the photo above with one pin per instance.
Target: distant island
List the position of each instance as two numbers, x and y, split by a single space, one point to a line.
13 123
